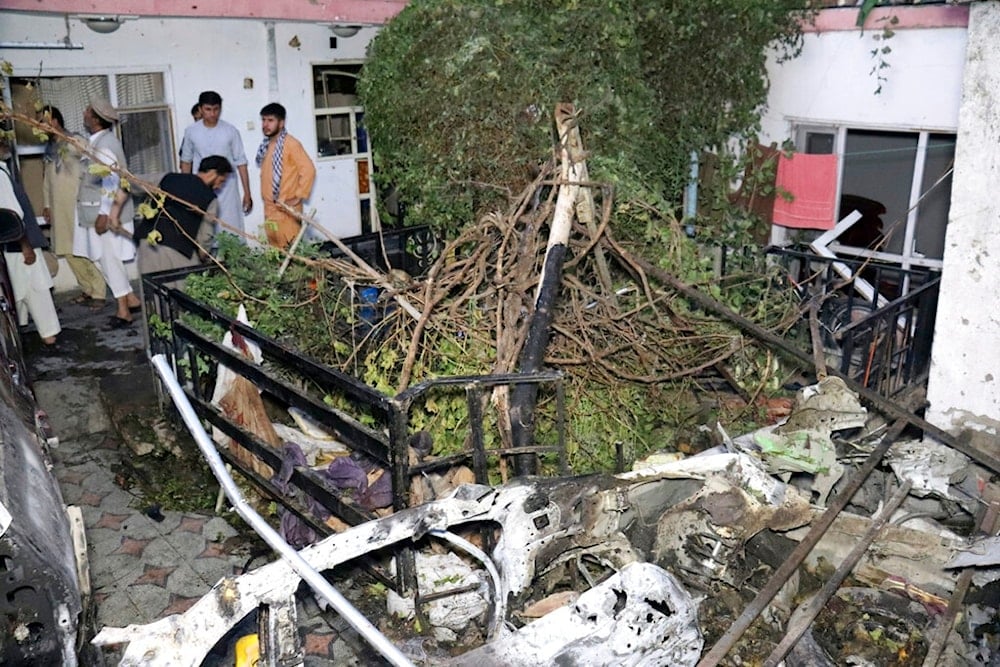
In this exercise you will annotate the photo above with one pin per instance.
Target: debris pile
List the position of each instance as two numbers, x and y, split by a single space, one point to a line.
653 565
649 566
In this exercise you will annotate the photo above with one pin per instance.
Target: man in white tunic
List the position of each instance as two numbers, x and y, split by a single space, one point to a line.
108 243
30 280
213 136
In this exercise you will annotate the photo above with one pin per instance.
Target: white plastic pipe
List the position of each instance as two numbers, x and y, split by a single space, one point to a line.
316 581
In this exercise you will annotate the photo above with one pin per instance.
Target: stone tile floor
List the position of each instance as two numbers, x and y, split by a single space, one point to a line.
144 563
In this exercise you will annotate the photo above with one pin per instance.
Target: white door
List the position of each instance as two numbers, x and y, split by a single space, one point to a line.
343 193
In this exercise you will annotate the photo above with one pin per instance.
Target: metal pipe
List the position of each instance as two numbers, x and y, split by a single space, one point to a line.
316 581
54 46
499 608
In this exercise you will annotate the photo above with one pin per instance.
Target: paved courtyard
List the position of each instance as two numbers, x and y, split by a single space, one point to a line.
146 561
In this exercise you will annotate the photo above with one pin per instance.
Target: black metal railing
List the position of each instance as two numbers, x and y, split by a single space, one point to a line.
368 421
879 331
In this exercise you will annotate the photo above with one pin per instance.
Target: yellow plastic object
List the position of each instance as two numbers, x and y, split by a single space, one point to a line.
248 651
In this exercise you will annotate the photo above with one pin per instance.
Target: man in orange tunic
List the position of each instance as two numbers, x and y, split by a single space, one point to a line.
286 175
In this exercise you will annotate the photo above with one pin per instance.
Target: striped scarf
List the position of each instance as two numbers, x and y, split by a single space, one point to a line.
276 160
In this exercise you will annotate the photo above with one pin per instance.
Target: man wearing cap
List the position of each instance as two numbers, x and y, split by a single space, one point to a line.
214 136
286 176
107 242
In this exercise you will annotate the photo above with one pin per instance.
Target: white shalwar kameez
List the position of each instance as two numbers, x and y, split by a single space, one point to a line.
29 283
109 250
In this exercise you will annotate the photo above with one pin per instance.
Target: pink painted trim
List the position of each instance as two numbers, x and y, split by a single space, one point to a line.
350 11
910 17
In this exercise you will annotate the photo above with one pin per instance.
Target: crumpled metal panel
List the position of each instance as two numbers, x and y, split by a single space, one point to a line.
639 616
39 593
544 522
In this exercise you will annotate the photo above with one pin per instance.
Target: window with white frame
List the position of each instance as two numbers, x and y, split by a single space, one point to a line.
901 183
145 129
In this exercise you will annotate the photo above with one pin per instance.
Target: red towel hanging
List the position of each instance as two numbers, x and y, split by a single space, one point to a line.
812 182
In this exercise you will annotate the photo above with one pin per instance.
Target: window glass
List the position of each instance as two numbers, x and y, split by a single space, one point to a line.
138 90
819 143
878 167
936 189
147 141
333 134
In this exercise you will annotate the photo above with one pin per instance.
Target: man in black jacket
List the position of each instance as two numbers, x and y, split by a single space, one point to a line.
181 232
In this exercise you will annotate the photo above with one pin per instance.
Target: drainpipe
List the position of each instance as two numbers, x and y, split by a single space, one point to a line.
272 63
691 197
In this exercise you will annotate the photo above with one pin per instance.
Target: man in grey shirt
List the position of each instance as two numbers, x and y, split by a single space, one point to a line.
213 136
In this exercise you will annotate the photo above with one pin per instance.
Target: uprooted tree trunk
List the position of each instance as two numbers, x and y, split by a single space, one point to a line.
524 396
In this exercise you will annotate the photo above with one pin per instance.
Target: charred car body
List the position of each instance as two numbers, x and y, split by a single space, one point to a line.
40 594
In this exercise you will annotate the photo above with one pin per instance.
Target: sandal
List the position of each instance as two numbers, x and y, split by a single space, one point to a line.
119 322
82 300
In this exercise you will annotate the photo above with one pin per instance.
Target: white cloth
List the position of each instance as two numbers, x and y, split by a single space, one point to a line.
109 250
7 197
225 140
31 285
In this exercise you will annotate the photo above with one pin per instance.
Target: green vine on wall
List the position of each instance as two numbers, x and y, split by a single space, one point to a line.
881 50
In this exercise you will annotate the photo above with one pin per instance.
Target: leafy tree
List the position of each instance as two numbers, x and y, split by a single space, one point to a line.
459 93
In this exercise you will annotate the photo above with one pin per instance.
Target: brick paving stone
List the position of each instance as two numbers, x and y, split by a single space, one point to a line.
118 500
212 550
133 547
218 529
211 570
139 526
320 645
188 544
192 524
102 542
151 602
179 604
70 476
113 569
115 607
91 498
170 523
155 576
111 521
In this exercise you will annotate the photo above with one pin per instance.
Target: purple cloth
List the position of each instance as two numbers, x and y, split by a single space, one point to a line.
347 472
292 528
344 472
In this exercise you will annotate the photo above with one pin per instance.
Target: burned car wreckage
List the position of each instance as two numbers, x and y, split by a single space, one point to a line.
604 569
607 562
43 573
647 567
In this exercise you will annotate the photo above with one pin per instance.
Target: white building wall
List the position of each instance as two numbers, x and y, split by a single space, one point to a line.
228 56
964 388
945 79
830 82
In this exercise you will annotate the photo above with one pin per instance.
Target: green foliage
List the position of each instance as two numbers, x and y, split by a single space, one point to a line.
459 94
